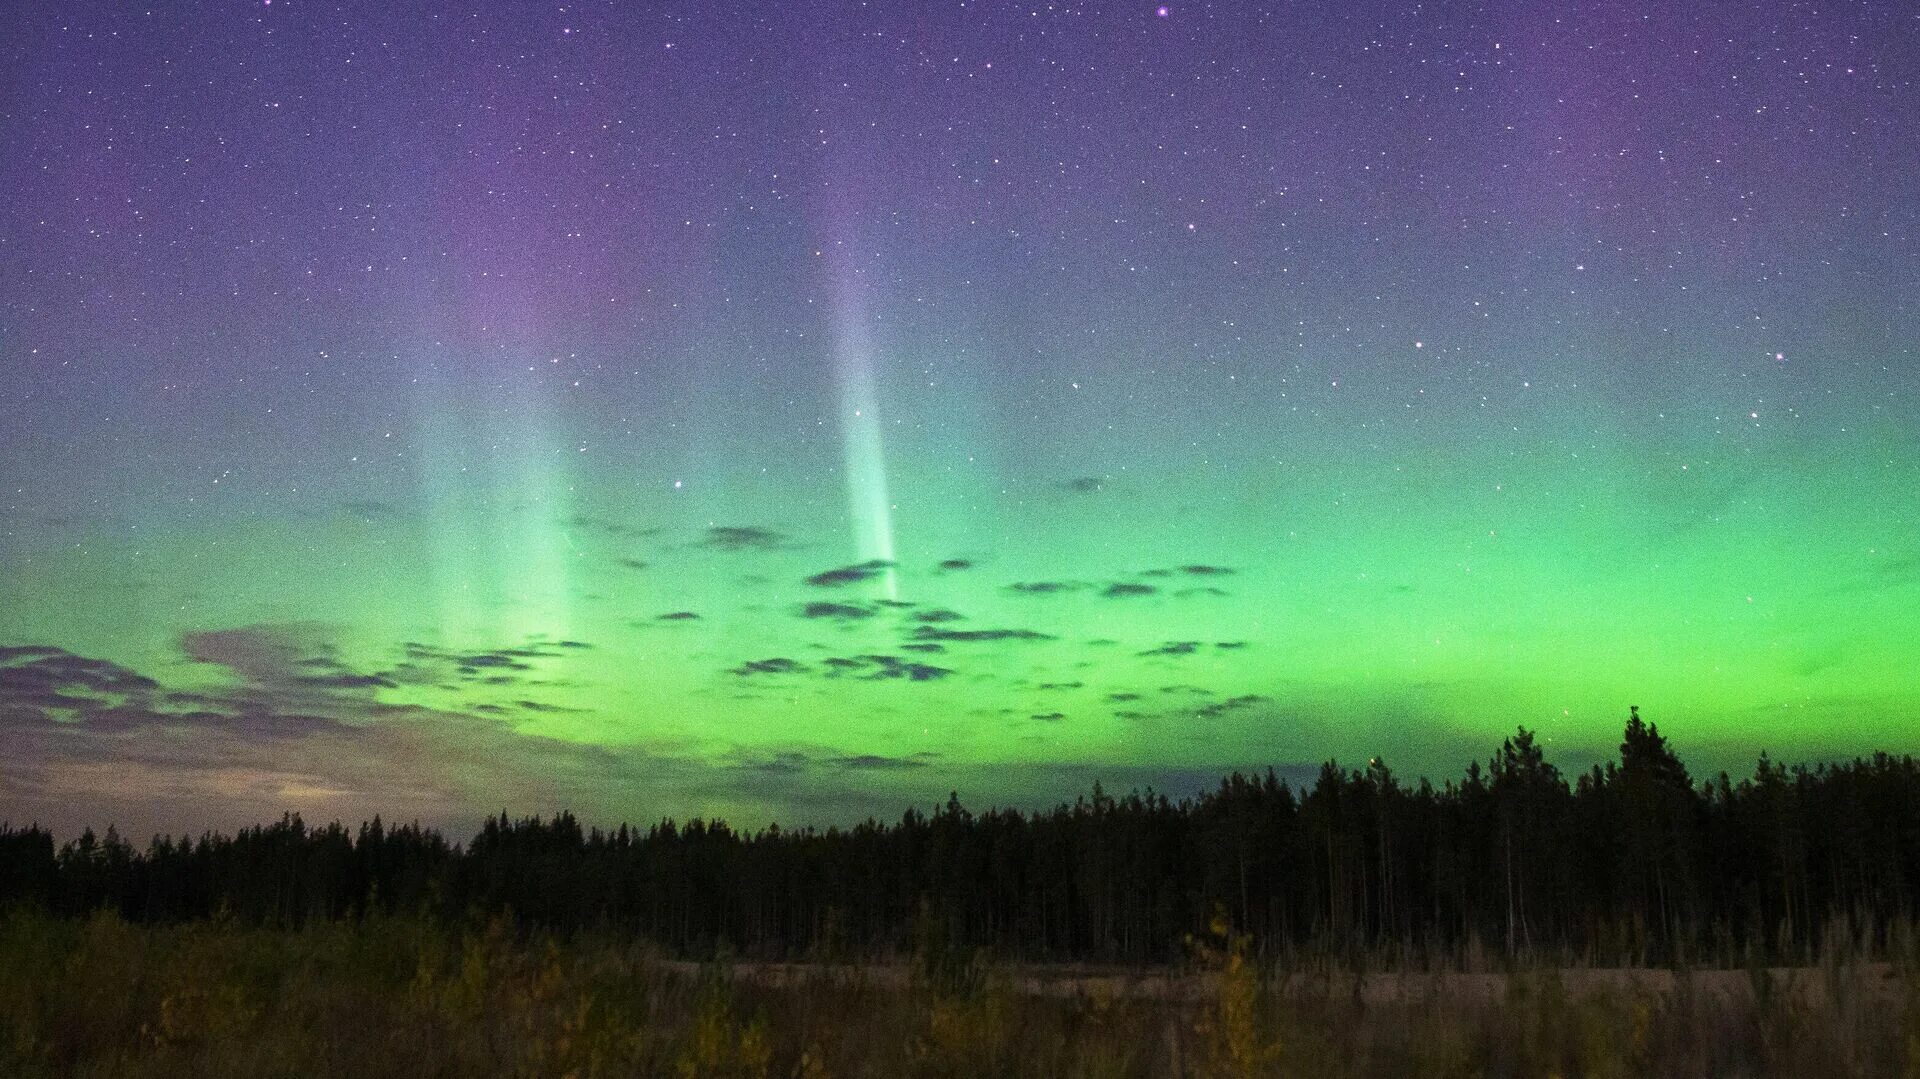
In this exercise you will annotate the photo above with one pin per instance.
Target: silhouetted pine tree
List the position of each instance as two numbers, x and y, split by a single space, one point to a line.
1634 861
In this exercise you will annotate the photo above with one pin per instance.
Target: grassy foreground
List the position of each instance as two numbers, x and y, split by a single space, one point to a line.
399 997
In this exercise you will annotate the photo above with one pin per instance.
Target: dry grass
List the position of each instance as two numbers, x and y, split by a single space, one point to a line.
404 998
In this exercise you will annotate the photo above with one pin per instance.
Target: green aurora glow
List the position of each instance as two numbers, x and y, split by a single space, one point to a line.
447 474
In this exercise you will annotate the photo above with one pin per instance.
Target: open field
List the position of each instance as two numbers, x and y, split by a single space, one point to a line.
399 997
1069 981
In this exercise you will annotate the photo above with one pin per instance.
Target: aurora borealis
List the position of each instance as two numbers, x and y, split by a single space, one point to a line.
797 411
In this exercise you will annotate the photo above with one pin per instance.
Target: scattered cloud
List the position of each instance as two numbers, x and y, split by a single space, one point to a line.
429 664
1231 704
347 680
1044 588
1121 589
883 668
677 616
1085 485
839 612
1050 717
875 762
1174 648
743 538
932 633
632 563
952 564
538 706
589 523
845 575
775 665
51 689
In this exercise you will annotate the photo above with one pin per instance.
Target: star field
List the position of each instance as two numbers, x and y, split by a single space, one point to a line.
794 411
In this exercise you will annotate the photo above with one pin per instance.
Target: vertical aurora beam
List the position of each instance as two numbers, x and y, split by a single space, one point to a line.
497 488
868 507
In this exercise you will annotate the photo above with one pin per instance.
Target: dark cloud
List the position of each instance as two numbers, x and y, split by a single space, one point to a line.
677 616
1174 648
9 653
1123 696
839 612
1204 590
1120 589
538 706
875 762
834 578
346 680
32 669
776 665
263 655
1085 485
427 664
1196 569
47 688
632 563
924 646
1049 717
938 614
1060 685
1044 588
931 633
743 538
610 528
788 763
1231 704
956 564
478 660
883 668
1230 645
155 757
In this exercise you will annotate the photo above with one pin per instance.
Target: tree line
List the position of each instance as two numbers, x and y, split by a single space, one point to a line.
1632 861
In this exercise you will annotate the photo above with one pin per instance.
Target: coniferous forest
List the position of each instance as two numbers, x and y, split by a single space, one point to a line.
1635 862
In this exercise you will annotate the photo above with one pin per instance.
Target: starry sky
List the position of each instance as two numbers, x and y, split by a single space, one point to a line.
797 411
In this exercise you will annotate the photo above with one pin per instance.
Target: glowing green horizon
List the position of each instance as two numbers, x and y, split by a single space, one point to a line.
1416 607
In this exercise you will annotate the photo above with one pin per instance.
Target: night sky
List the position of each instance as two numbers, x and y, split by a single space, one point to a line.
800 410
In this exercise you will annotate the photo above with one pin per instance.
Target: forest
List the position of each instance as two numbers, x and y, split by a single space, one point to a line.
1635 862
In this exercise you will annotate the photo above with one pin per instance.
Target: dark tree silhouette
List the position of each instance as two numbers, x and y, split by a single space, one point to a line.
1632 862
